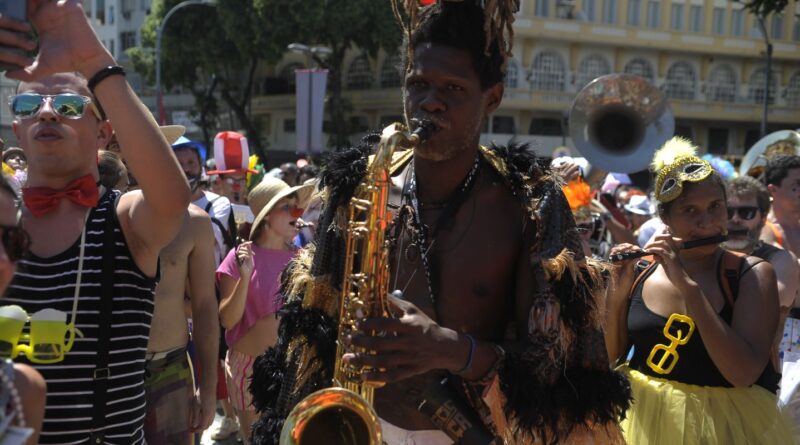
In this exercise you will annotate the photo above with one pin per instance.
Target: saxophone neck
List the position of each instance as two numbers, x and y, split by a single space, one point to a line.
397 136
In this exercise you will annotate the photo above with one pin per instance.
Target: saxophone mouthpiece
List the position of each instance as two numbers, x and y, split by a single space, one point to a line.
424 128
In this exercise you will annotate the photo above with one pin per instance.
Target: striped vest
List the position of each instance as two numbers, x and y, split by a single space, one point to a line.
41 283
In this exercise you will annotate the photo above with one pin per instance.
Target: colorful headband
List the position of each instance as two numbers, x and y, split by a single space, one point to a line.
675 163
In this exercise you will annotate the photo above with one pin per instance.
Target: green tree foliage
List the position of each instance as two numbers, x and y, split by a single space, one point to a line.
339 25
229 40
226 41
764 8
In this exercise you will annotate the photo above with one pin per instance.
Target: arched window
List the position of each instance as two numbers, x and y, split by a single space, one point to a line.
640 67
681 81
512 74
721 85
757 85
287 73
793 90
390 72
359 76
548 72
590 68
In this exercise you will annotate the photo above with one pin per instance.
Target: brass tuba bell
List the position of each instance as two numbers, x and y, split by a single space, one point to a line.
618 121
783 142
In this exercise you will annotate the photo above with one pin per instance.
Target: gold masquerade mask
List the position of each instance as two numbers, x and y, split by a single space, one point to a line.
675 164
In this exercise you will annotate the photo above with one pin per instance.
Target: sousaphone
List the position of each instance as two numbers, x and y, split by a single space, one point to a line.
618 121
773 144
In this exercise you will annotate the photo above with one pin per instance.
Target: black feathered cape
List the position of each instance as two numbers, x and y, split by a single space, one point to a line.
553 383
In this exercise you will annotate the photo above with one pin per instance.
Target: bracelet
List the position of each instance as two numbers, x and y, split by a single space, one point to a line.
472 345
111 70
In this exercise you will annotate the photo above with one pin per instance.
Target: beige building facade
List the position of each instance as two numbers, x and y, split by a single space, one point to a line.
708 56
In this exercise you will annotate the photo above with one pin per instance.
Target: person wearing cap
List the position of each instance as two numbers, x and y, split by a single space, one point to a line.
192 155
249 281
232 155
94 251
15 158
638 209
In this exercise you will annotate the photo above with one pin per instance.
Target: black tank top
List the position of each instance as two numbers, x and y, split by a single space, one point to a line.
765 251
694 366
646 330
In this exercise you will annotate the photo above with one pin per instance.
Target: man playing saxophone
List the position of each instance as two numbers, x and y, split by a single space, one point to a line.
495 334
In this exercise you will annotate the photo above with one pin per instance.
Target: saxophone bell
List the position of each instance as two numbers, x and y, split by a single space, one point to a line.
344 413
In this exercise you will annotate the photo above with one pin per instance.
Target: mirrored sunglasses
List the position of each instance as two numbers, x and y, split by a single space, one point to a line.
68 106
745 212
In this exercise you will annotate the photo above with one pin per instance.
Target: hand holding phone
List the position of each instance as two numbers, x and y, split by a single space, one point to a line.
15 39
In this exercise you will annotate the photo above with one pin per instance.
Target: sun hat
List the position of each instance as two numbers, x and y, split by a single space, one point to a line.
639 205
172 132
232 153
12 151
268 193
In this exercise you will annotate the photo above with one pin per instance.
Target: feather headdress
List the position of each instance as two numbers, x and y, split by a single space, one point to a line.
499 17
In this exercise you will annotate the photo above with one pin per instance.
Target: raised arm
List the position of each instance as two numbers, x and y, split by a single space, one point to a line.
233 289
67 43
205 330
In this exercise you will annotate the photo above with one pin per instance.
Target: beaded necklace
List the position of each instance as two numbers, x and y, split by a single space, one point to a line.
425 241
16 400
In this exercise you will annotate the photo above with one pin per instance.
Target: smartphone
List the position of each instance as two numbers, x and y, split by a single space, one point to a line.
16 9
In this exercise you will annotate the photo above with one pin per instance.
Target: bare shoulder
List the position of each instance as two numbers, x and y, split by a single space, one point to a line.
199 222
768 236
29 382
758 272
127 201
198 214
783 258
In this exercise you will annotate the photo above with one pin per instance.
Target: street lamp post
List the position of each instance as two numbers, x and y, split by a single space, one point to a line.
768 79
159 32
315 53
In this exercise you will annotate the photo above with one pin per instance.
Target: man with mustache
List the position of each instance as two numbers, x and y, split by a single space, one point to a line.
748 207
192 156
476 234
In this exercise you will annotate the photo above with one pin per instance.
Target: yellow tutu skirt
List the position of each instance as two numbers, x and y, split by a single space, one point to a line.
665 412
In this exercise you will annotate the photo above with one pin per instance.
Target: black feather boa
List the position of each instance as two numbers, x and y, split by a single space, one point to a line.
542 399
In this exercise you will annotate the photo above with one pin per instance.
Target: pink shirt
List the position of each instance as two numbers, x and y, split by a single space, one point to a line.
262 295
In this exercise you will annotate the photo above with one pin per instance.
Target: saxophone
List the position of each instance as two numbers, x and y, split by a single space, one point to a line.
344 413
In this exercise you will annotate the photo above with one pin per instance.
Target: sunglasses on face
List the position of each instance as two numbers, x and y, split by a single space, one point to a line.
745 212
292 209
16 241
49 338
68 106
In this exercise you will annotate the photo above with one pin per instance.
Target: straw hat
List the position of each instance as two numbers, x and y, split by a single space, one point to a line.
172 132
268 193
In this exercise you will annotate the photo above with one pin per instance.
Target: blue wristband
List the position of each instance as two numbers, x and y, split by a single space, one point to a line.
472 345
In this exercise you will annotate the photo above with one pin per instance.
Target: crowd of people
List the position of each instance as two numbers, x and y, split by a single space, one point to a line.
147 283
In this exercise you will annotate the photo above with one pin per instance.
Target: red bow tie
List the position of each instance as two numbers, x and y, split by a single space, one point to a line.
42 200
